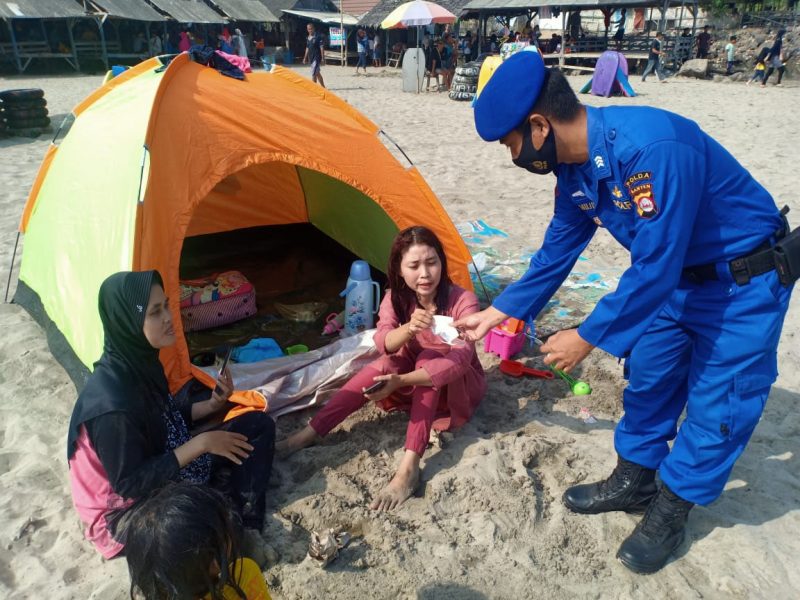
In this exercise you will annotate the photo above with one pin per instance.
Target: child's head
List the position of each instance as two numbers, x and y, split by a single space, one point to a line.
180 543
733 39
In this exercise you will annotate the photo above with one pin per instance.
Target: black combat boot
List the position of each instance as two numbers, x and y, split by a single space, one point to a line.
657 535
629 488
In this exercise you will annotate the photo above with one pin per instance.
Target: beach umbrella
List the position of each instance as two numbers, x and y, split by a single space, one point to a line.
416 14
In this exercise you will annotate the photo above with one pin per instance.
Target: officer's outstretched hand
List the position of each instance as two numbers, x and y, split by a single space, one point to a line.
565 350
477 325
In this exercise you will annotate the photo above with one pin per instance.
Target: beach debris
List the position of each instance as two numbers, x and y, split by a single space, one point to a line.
325 546
473 231
586 416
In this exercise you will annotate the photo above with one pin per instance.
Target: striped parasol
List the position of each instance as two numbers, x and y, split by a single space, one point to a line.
417 13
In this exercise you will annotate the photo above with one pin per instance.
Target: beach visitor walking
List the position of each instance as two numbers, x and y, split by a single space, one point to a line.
775 59
760 67
654 58
696 317
619 36
362 46
438 384
730 55
703 43
313 55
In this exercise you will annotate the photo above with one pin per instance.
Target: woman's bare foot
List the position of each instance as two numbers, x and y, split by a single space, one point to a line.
402 485
297 441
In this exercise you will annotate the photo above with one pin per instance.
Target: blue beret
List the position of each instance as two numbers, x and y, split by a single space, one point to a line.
509 95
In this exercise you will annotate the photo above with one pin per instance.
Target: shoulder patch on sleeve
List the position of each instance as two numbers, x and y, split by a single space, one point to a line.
640 189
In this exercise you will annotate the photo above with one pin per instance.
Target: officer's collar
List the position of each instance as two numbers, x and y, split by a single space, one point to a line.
596 139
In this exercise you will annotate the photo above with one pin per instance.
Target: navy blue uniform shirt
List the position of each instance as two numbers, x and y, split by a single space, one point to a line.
666 191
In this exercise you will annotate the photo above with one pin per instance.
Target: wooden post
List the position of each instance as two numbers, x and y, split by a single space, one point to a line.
563 39
14 45
70 23
103 47
341 32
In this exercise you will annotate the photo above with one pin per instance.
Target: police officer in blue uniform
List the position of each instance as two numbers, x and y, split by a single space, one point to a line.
696 317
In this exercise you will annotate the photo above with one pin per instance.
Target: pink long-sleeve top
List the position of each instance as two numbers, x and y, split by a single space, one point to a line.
457 373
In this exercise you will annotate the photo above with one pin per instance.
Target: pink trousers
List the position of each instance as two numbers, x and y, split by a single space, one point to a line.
424 400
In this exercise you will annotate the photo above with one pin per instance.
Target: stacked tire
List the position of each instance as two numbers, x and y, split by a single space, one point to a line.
465 82
23 111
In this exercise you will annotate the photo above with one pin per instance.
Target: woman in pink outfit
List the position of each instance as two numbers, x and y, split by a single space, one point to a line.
440 385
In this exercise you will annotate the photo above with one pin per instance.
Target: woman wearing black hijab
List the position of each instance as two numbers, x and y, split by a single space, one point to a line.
128 435
775 59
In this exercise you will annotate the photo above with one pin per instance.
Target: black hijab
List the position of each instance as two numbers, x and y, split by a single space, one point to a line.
129 376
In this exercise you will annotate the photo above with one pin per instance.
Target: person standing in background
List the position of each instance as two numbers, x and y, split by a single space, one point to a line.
703 43
730 55
775 59
313 54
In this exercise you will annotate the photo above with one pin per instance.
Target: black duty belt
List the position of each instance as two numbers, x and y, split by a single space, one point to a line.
757 262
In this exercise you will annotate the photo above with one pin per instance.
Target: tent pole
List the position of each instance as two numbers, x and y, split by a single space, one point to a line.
11 268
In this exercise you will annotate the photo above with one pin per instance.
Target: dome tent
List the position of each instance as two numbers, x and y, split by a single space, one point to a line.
162 153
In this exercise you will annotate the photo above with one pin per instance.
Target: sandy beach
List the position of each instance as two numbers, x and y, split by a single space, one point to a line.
488 521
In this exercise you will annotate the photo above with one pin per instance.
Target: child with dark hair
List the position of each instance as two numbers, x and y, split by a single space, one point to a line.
761 65
730 55
184 541
439 384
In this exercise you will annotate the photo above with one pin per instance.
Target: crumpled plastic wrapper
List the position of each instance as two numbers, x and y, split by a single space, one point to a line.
325 546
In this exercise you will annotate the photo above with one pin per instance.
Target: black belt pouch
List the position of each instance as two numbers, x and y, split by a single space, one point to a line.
787 258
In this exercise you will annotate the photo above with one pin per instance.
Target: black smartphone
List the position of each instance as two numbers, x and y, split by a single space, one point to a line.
217 389
378 385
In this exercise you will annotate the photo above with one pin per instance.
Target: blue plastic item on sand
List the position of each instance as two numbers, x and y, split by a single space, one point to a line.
257 349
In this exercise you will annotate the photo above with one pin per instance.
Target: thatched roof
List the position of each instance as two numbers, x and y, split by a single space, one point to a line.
40 9
499 7
278 6
135 10
247 10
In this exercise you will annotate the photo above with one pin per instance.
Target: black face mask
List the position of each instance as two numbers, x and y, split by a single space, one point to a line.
541 161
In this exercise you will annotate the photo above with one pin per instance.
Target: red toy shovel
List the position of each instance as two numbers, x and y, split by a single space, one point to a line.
517 369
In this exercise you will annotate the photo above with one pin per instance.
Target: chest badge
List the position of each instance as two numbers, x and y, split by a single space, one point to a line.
621 202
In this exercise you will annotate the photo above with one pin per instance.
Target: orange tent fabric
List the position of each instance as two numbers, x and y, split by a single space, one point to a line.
212 140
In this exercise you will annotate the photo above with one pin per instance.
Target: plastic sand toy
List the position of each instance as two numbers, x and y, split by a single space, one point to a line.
579 388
